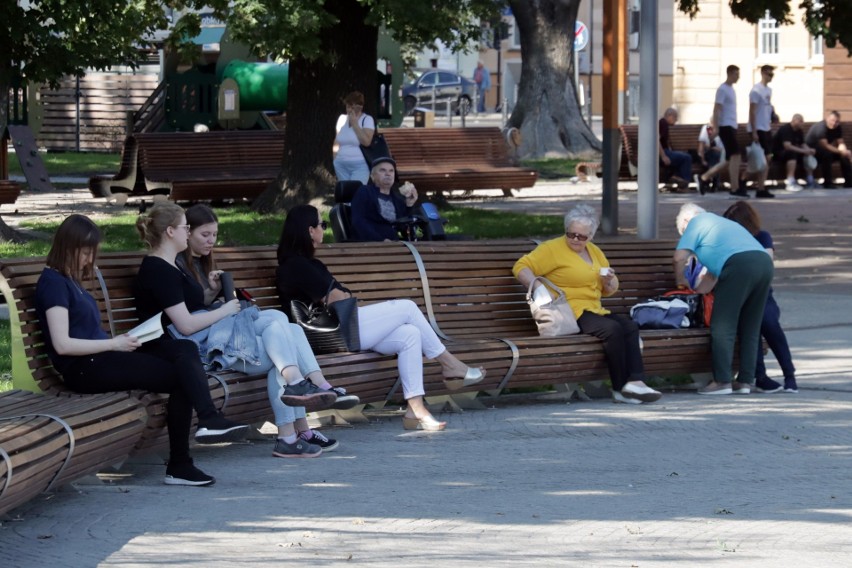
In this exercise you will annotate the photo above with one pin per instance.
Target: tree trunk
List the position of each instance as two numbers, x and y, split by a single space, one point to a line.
314 101
547 111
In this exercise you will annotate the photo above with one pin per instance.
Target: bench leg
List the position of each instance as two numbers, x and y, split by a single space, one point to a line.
348 417
455 402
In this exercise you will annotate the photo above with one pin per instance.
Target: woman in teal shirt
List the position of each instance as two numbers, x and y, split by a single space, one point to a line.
739 273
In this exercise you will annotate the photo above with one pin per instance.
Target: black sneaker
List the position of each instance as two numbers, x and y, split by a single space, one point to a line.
740 193
307 394
219 429
767 385
187 474
790 386
318 439
298 449
765 194
344 401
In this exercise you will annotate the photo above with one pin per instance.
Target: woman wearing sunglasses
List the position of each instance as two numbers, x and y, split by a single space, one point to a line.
581 270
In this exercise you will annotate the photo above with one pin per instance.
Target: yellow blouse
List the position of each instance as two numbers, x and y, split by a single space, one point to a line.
580 280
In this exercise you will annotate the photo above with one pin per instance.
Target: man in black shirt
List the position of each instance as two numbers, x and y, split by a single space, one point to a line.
827 138
679 163
788 146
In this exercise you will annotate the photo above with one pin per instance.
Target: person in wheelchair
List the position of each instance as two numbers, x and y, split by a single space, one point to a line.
378 214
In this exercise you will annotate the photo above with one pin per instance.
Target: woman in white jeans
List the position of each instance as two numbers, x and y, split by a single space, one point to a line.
393 327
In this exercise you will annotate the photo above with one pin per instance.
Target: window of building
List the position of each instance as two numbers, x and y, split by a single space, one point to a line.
768 34
817 46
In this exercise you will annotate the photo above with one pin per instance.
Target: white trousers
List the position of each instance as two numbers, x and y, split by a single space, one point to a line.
398 327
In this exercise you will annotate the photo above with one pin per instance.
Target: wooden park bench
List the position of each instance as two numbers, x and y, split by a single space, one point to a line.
466 289
684 138
445 159
196 166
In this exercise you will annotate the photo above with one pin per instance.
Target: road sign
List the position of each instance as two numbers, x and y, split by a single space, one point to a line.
581 36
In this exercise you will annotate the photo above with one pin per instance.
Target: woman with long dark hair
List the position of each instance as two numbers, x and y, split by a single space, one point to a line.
395 327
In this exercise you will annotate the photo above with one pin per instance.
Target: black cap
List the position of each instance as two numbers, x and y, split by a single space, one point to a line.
382 160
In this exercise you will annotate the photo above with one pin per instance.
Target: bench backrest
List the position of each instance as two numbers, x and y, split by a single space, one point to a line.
209 151
416 147
466 288
473 293
373 271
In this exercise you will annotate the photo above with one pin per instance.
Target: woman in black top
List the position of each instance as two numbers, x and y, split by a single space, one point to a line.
393 327
90 361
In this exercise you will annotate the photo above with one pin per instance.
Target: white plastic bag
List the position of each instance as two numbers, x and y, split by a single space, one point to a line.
756 158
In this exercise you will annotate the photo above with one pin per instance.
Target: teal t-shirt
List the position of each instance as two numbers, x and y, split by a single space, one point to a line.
715 239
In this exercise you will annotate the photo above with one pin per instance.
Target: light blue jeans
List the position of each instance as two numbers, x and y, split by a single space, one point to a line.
286 346
352 170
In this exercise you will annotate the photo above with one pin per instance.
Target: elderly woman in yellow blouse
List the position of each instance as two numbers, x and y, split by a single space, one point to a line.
574 264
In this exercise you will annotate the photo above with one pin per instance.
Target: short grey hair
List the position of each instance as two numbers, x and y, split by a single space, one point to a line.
585 215
686 213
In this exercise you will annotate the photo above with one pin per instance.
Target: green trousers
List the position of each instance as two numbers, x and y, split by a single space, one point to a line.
740 298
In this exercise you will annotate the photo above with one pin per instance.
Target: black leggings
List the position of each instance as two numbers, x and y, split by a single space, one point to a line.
164 366
620 336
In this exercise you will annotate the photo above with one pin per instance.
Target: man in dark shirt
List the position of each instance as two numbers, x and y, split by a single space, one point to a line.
788 146
827 138
679 163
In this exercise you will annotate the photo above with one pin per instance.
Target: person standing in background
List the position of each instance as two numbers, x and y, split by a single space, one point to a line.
760 123
482 78
725 123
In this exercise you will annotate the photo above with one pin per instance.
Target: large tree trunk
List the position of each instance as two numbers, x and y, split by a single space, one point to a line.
547 111
314 102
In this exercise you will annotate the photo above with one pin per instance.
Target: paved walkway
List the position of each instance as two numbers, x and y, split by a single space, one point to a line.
755 481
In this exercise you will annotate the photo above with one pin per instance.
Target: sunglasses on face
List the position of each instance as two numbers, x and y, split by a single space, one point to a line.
323 225
577 237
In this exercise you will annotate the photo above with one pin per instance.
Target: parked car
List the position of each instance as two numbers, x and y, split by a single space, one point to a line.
446 86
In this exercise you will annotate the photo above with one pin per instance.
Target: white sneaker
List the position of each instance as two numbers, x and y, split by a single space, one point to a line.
618 397
793 186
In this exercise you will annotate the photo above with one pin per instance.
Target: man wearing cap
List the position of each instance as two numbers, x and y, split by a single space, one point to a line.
375 208
760 122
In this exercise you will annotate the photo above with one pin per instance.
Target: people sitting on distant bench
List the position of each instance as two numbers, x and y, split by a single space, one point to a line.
826 136
375 208
679 163
788 146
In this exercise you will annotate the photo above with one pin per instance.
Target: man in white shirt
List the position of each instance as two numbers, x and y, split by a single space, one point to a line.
725 123
760 123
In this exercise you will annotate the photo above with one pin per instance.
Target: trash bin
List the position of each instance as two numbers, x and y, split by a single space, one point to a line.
424 118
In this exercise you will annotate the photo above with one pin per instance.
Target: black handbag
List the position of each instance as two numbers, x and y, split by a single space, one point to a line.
378 148
330 328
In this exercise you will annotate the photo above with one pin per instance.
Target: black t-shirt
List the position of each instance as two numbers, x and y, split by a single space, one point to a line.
304 279
787 134
159 285
664 134
821 130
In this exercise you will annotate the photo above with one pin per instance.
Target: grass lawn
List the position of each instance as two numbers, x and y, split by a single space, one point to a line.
553 168
5 357
83 164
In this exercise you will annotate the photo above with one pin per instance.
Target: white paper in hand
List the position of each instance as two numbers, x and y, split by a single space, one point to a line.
149 329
